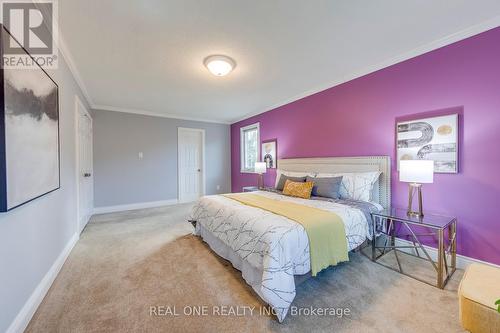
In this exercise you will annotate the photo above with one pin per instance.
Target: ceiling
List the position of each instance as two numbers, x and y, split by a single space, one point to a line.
147 56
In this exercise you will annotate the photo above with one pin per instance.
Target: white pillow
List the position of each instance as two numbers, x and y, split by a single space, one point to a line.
291 174
356 185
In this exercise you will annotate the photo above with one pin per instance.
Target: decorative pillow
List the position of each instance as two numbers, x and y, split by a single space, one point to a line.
328 187
358 186
280 172
281 183
298 189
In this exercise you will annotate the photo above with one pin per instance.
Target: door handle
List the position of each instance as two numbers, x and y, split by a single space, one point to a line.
87 174
199 170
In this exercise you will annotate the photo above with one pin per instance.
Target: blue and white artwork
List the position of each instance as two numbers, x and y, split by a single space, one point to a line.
433 139
30 136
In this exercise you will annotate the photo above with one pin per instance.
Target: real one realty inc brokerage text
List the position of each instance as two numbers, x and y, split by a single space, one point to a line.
240 311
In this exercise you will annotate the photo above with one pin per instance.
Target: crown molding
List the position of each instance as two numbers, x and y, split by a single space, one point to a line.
155 114
441 42
63 48
64 51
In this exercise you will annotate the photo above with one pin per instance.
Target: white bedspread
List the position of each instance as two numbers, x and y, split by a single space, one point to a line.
270 243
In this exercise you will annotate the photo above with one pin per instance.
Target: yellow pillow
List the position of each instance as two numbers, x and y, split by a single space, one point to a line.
298 189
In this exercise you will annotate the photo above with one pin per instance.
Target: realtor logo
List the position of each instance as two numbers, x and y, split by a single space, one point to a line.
32 34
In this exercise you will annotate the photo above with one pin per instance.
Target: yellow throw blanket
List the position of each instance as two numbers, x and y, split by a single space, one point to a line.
325 230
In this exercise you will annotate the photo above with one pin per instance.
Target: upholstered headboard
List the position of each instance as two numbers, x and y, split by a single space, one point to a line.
381 190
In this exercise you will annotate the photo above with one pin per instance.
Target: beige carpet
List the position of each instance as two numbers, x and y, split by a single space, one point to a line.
126 263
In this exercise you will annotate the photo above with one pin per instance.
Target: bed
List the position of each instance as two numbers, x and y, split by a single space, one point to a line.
272 251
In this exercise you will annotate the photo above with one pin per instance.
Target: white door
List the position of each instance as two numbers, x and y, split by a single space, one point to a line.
84 165
190 164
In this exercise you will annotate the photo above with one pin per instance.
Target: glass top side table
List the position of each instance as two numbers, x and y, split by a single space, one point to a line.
437 226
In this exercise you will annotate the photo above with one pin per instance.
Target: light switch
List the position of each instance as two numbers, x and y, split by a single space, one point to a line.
141 155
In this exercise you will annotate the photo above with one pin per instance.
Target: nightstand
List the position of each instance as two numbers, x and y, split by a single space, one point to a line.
395 223
250 188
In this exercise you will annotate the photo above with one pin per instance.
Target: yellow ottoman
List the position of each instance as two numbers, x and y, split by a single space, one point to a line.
478 292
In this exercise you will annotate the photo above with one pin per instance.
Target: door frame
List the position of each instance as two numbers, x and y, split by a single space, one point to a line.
80 107
180 130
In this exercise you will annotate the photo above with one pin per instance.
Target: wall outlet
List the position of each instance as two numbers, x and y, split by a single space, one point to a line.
141 155
218 187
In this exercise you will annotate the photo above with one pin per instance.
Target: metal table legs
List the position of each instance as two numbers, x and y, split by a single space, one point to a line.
446 247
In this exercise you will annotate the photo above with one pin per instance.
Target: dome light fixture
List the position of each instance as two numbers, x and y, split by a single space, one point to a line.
219 65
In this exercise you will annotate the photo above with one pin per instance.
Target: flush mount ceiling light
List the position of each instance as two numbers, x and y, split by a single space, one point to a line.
219 65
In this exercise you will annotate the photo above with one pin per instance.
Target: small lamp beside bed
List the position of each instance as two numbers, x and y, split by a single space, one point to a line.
260 168
416 173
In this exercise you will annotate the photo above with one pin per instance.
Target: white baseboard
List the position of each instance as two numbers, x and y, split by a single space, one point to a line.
462 261
140 205
24 316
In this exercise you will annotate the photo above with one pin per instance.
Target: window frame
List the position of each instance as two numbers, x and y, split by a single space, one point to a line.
242 146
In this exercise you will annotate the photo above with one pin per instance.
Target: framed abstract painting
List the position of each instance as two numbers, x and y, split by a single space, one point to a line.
270 153
29 133
433 139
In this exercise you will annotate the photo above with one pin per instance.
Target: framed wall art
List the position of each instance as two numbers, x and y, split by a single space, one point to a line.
29 135
433 139
269 153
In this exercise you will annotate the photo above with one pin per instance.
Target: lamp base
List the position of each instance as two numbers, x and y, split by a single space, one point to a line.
415 188
260 182
414 214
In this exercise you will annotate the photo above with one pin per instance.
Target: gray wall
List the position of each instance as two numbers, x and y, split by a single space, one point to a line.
32 236
121 178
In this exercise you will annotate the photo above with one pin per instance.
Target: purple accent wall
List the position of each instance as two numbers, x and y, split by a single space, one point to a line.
358 118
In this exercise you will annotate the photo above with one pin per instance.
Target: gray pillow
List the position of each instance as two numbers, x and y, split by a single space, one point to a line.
283 179
328 187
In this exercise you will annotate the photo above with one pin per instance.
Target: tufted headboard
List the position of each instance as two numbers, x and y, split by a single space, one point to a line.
382 189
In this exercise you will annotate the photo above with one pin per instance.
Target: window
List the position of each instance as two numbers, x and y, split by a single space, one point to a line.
249 147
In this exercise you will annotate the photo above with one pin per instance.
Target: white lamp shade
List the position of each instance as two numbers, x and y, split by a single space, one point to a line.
260 167
416 171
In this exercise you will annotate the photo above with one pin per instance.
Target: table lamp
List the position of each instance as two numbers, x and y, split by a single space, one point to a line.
260 168
416 173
